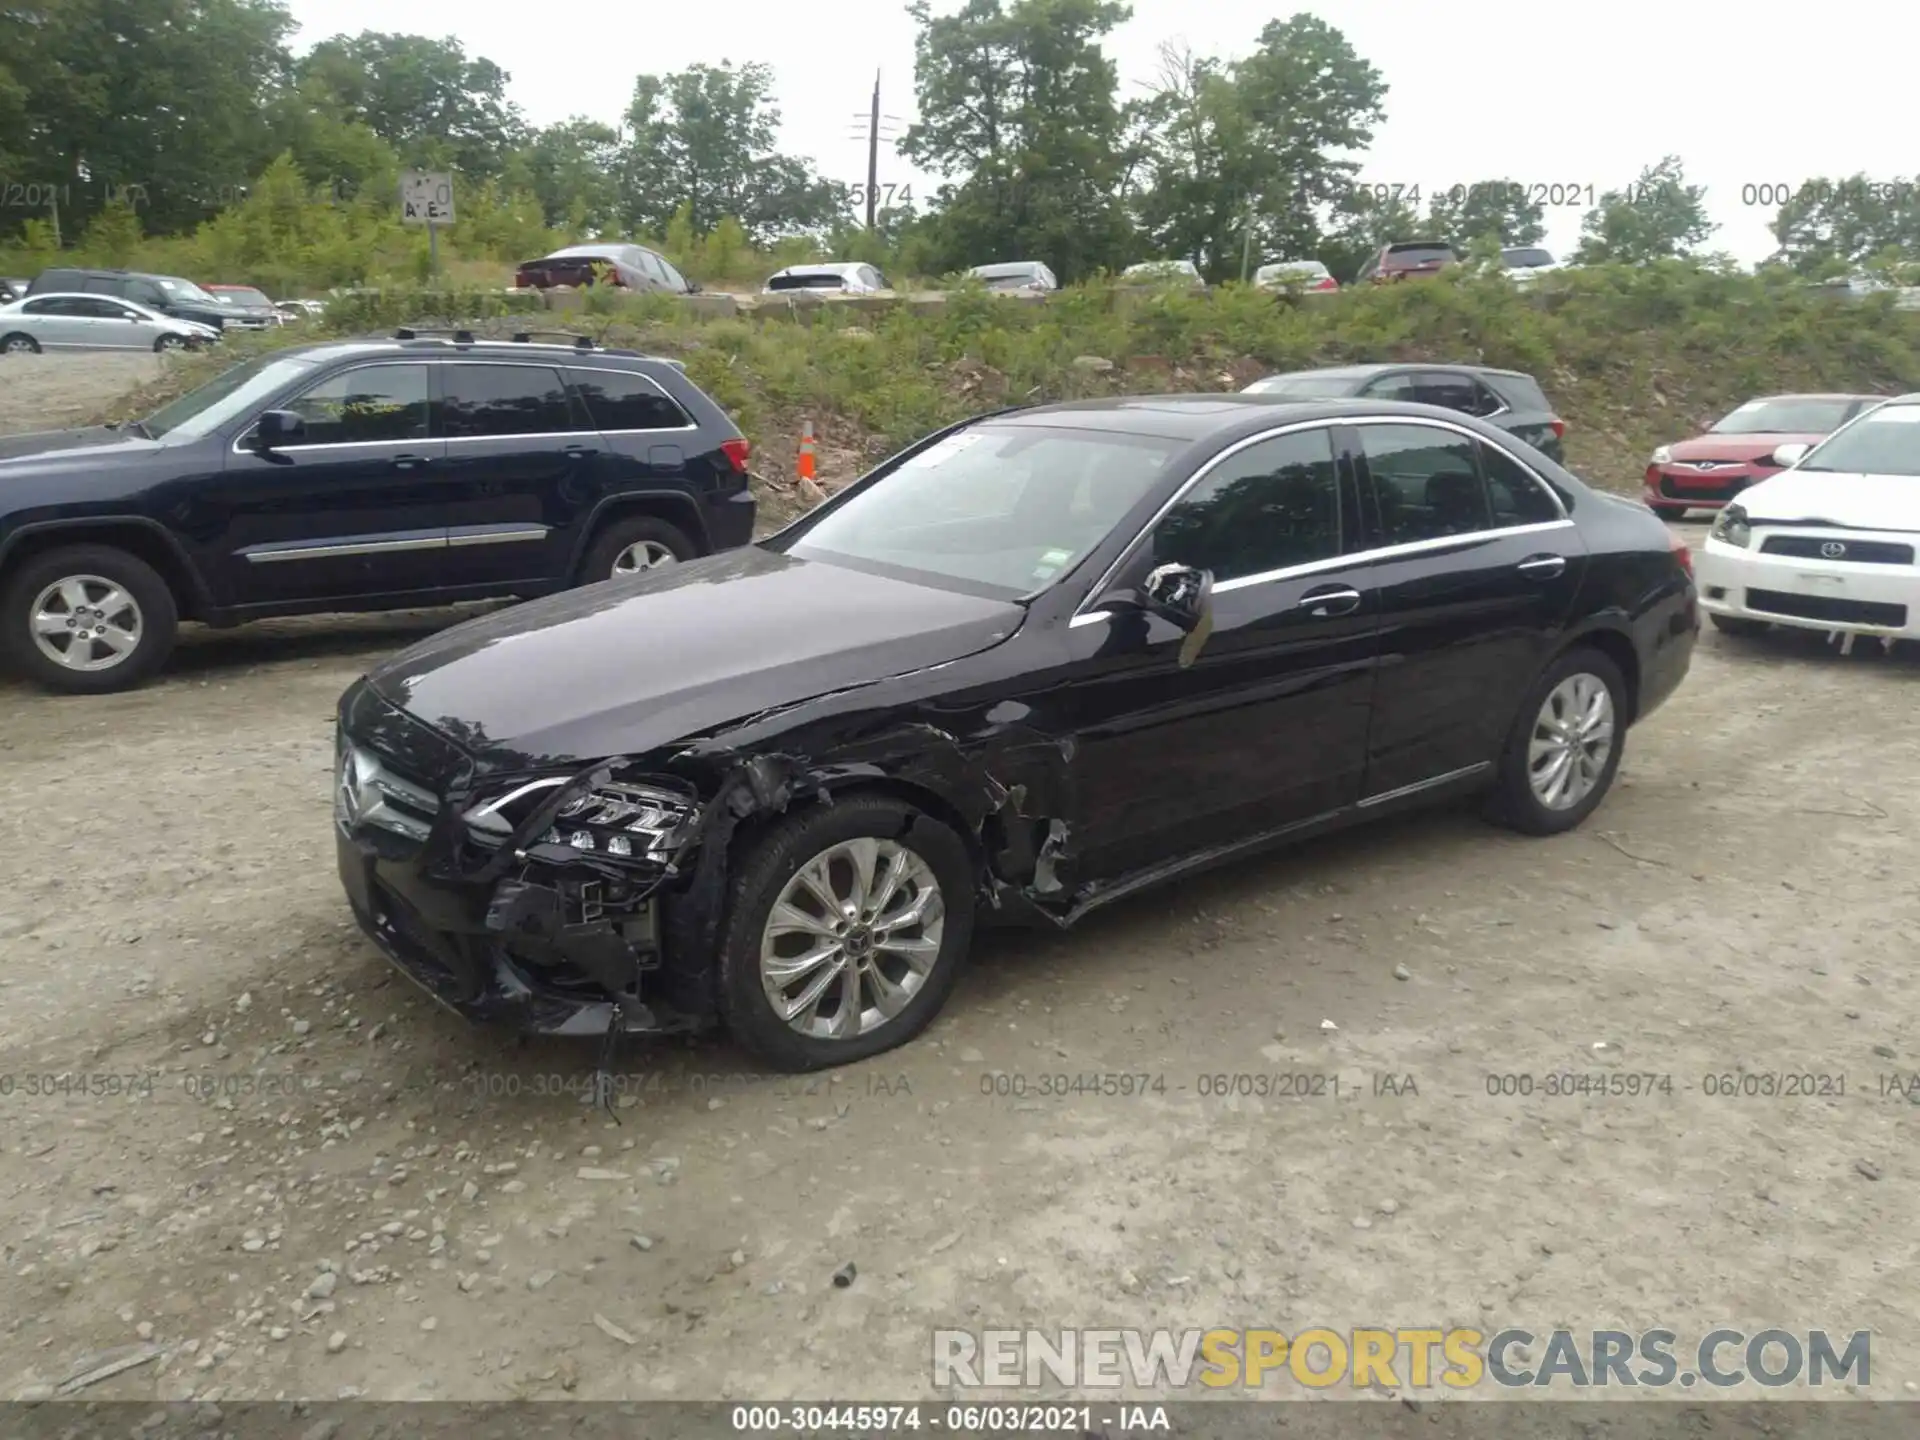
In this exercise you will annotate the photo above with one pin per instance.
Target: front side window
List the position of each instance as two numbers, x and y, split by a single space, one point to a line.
367 406
1273 505
1005 507
504 400
60 305
1426 482
618 401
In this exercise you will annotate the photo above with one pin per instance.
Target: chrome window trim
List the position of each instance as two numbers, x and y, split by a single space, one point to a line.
1428 784
1083 614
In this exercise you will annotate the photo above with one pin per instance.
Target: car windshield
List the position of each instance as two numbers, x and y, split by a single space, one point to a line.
1883 442
1788 416
1526 257
233 393
1005 507
809 280
183 289
1302 387
1303 270
240 295
1418 254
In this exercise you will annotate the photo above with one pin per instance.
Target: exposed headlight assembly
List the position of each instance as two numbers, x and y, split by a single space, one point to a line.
621 820
1731 527
1662 455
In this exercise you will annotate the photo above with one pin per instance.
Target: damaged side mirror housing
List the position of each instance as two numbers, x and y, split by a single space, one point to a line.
1179 594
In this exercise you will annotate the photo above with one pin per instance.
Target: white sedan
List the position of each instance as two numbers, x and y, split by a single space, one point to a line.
94 322
1829 544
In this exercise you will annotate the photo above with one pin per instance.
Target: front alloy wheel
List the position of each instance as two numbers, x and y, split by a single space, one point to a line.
847 924
852 938
86 622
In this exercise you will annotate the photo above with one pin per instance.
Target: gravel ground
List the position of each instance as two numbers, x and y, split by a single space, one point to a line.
45 392
377 1199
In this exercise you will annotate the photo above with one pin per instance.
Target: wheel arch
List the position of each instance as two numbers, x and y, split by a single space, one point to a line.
1617 645
144 539
675 507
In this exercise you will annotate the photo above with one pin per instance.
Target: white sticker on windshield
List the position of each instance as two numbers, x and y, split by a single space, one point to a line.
944 451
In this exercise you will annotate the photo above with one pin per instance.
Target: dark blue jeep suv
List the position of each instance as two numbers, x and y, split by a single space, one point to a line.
357 475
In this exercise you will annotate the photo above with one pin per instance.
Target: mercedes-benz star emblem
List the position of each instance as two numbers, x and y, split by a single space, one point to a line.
1833 549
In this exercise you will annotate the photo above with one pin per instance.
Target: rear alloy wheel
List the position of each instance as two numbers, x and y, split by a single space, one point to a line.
19 345
636 546
847 930
88 620
1565 747
1740 626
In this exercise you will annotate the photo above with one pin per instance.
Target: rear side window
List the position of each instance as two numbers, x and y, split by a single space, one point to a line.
618 401
1518 498
61 305
1455 392
1392 387
1426 482
1522 392
504 400
372 404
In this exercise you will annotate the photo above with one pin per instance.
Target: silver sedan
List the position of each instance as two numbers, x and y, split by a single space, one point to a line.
93 322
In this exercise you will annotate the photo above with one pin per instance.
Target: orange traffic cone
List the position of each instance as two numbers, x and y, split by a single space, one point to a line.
804 465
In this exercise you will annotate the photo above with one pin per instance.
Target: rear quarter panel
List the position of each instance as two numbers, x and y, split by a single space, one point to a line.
1635 588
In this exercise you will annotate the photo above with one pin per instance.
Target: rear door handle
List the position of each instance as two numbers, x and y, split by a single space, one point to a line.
1326 601
579 452
409 462
1543 567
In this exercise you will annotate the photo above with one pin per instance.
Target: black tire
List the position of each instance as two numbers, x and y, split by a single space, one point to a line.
157 614
16 343
168 342
1513 802
621 534
1735 625
775 858
1671 512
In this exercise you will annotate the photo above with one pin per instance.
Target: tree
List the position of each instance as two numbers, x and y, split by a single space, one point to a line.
1499 208
1658 217
703 138
573 169
1019 113
422 96
1833 226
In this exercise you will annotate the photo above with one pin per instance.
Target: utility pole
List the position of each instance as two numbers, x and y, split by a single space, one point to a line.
875 125
1246 246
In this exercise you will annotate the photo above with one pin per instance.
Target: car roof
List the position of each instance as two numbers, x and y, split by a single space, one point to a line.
1813 395
1005 267
548 352
1366 372
823 267
1205 416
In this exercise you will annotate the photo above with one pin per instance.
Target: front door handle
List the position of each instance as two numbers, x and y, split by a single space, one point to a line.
1543 567
579 452
1327 601
409 462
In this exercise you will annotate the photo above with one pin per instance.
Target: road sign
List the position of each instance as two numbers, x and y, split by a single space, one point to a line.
426 197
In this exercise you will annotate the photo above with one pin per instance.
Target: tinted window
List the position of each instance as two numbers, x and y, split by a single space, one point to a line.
144 291
1418 254
505 400
617 401
60 306
1518 498
1008 507
1454 392
1522 392
1525 257
358 407
103 309
1272 505
1392 387
1425 482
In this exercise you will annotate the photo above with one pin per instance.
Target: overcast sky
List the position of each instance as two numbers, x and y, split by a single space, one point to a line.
1546 95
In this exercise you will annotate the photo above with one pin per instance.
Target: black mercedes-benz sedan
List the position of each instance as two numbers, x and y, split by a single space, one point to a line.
1036 662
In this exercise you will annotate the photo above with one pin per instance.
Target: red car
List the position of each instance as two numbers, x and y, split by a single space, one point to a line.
1407 258
1706 472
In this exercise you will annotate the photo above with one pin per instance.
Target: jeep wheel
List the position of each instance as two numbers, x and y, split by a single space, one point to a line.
847 926
87 620
635 546
17 344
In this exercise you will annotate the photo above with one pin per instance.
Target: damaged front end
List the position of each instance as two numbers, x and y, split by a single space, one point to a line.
584 903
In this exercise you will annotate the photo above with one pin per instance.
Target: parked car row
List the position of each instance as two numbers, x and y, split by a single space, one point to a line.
71 308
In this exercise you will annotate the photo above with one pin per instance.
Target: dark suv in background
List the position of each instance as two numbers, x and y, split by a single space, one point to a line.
1507 398
168 294
1407 258
357 475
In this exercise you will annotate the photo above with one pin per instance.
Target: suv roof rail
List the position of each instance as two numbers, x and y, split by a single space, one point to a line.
578 341
573 341
409 332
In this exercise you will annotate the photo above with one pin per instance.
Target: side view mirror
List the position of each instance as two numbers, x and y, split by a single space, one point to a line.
693 287
1790 453
278 427
1178 593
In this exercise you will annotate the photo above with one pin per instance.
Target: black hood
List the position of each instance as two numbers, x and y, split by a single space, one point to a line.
629 666
51 442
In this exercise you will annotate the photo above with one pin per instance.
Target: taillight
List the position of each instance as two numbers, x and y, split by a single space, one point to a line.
1681 552
737 452
1559 429
1328 283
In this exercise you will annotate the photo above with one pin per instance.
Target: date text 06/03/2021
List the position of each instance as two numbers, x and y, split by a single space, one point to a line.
959 1419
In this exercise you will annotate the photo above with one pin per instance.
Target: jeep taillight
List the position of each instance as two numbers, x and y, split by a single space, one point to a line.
1680 551
737 453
